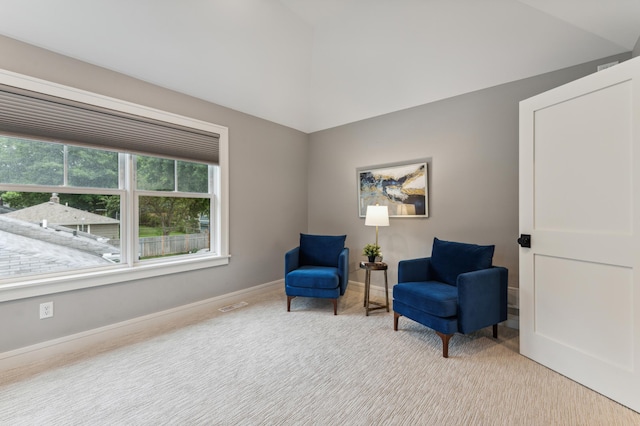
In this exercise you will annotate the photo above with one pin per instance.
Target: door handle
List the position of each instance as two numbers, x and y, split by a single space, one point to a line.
525 240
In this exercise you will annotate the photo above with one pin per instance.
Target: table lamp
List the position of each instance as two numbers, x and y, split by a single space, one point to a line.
377 216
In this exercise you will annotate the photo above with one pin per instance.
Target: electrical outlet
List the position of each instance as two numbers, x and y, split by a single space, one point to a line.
46 310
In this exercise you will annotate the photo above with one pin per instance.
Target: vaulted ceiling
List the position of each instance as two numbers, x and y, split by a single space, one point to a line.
316 64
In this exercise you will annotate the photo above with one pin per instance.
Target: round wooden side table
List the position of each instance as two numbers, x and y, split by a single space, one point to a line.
368 267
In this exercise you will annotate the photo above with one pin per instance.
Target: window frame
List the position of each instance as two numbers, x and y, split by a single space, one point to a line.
19 288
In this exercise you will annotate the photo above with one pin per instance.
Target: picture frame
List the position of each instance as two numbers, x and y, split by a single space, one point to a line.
403 187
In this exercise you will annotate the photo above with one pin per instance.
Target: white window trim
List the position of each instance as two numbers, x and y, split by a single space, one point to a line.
79 279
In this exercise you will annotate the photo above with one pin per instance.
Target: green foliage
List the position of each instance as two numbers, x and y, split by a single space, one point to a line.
147 231
193 177
20 200
112 205
31 162
92 167
160 174
172 214
155 174
371 250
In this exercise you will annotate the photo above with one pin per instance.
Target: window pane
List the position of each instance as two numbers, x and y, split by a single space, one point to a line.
92 167
193 177
155 174
170 226
43 233
30 162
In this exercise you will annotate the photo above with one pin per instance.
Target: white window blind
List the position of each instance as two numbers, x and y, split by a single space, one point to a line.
32 114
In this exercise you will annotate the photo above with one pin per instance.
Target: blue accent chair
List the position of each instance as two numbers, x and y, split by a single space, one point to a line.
455 290
318 267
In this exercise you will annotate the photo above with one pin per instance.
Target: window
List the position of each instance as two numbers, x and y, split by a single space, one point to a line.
173 199
81 208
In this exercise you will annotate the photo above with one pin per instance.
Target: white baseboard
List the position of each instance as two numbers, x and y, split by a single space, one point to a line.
513 296
77 342
513 321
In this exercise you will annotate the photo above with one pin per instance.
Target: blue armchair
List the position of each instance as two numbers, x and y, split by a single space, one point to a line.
455 290
318 267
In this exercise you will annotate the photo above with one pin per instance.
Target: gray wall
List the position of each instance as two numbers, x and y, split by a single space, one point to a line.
268 190
471 142
636 49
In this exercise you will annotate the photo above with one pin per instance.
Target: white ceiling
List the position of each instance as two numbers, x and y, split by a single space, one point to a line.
316 64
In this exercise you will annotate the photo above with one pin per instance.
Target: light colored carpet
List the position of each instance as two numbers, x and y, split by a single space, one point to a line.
259 365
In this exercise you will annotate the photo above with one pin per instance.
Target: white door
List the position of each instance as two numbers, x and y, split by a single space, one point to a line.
580 202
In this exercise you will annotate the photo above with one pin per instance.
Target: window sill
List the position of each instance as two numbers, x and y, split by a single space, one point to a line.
42 286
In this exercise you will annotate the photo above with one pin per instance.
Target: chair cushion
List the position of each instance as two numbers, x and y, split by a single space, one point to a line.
321 250
314 277
432 297
450 259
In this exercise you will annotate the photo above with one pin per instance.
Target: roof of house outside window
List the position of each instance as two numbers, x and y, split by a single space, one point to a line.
58 214
27 248
4 209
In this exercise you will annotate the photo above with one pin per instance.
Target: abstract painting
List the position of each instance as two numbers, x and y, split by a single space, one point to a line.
400 186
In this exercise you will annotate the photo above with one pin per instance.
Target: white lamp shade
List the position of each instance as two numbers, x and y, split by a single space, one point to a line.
377 216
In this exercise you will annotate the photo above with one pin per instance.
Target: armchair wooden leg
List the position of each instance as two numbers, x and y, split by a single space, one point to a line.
289 303
335 306
396 316
445 343
495 331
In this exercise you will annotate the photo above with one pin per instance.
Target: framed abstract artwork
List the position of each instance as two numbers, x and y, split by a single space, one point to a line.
400 186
